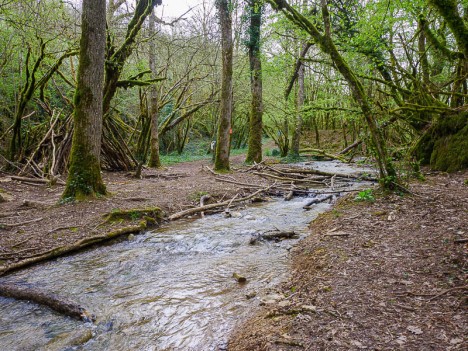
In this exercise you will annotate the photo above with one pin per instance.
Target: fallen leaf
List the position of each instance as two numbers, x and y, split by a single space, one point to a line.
456 341
414 330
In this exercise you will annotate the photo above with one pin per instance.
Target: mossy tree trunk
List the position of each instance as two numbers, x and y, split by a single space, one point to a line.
254 152
449 11
155 160
84 175
225 117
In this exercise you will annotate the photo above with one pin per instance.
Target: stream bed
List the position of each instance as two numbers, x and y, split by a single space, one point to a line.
167 289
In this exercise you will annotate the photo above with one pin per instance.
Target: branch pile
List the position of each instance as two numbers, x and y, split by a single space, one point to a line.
289 181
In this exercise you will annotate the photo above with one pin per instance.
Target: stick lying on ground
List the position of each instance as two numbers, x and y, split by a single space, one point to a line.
55 302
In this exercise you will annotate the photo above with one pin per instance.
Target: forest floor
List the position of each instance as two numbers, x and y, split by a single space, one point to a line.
384 275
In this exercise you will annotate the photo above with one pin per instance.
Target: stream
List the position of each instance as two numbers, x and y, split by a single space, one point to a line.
167 289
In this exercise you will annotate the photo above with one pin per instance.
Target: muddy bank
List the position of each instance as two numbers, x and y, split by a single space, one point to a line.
383 275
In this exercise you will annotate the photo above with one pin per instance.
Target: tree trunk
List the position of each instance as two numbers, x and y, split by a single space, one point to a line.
154 161
296 138
224 126
254 153
84 177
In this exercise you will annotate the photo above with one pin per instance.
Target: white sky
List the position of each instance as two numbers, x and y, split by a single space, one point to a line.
175 8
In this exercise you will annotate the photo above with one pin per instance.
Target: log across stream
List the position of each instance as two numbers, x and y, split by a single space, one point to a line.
172 288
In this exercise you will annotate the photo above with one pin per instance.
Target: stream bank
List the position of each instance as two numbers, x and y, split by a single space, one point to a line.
174 288
384 275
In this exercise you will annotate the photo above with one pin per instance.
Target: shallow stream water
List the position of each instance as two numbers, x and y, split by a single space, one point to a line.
168 289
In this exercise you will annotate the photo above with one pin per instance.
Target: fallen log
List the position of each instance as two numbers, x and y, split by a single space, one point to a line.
317 200
323 153
329 174
213 206
53 301
288 179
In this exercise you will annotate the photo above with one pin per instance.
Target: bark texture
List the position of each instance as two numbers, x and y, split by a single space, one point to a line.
154 161
224 125
254 152
84 177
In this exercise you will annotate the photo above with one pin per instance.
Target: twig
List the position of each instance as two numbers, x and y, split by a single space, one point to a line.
464 287
337 234
212 171
461 241
61 228
6 225
230 202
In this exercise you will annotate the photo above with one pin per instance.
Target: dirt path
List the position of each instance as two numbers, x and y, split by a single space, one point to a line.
42 226
387 275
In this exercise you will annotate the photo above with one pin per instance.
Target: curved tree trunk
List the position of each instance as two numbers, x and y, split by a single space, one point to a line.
84 177
224 126
254 153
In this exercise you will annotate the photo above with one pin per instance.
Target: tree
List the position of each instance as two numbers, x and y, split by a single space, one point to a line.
84 177
224 125
254 152
296 138
154 160
326 44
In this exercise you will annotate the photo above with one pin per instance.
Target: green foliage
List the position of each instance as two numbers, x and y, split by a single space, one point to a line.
365 195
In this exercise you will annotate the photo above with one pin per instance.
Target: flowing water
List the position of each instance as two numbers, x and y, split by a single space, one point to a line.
168 289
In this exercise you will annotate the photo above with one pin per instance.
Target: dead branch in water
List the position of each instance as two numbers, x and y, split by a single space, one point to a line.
317 200
53 301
